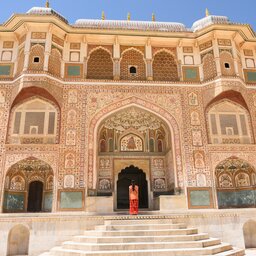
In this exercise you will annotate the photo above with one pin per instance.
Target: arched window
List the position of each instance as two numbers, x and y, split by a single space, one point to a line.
132 65
165 67
100 65
228 124
34 121
36 58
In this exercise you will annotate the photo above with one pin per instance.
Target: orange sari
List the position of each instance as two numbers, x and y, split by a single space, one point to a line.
134 199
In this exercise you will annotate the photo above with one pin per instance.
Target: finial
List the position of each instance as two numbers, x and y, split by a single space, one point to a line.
47 4
207 13
128 16
153 17
103 17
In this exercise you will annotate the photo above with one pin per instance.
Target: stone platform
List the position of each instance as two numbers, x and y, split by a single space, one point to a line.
48 230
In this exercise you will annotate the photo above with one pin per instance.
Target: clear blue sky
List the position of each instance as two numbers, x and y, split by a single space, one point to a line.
184 11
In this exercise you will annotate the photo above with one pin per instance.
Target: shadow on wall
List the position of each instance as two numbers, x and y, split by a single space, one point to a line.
18 241
249 230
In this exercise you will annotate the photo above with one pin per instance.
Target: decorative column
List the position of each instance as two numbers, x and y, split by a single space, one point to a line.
27 49
65 57
235 55
180 60
198 61
149 60
116 58
15 57
83 55
216 56
47 51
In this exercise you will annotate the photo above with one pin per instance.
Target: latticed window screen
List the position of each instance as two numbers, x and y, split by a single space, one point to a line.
229 124
214 124
35 117
227 121
16 128
51 125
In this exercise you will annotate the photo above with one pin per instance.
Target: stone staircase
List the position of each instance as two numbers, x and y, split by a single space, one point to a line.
143 237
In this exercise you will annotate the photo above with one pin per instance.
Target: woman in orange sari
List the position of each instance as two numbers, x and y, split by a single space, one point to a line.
134 198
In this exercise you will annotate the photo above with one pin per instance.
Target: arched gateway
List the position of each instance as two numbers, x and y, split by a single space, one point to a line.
131 137
28 187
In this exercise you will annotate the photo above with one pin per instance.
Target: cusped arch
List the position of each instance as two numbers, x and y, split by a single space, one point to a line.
165 66
233 183
147 106
131 141
99 48
227 64
132 57
17 196
27 164
36 58
100 64
18 240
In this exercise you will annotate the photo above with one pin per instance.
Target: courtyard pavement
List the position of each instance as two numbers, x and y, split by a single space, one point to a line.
250 252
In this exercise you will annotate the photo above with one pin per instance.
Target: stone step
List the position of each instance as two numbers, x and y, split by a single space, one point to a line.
233 252
141 227
212 250
139 245
130 239
130 220
187 231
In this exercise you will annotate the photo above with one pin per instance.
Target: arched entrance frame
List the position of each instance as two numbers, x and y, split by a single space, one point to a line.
147 106
50 159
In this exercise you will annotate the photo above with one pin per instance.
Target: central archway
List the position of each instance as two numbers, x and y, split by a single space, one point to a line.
124 180
175 168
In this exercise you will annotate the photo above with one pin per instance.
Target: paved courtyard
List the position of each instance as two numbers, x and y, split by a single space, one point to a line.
251 252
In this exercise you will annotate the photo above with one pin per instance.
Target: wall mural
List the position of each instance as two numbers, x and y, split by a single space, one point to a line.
235 179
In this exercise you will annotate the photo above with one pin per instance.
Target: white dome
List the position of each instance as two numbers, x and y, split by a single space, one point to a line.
45 11
209 20
131 25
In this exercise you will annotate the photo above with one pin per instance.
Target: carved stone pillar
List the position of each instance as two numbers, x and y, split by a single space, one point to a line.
116 69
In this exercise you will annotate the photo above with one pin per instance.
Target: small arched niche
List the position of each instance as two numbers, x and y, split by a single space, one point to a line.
18 241
249 230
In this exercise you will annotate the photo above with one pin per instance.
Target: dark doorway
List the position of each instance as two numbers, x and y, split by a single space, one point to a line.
35 196
124 180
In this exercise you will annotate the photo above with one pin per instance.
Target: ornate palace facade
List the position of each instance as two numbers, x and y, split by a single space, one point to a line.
86 107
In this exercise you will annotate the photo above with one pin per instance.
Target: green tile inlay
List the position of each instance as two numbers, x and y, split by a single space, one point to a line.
251 76
200 198
74 71
71 200
5 70
191 73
